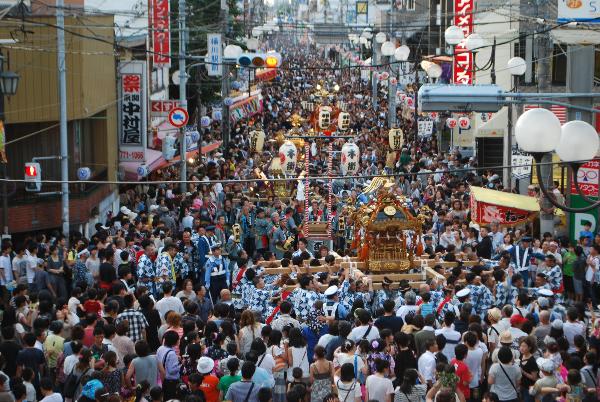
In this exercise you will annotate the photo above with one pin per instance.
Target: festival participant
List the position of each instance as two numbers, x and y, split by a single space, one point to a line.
216 275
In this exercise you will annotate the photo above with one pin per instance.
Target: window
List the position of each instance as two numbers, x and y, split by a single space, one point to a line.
410 4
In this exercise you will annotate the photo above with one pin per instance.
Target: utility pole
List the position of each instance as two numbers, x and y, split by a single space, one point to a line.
62 94
374 62
182 94
544 54
225 129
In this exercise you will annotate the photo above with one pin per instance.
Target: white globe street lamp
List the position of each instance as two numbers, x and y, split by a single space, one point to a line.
388 48
232 52
380 37
516 66
454 35
474 42
538 132
402 53
578 142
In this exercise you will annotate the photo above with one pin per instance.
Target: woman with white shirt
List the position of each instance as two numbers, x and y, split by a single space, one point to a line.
297 355
348 387
348 354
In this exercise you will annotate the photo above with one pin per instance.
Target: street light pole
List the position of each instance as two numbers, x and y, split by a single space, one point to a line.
182 95
62 92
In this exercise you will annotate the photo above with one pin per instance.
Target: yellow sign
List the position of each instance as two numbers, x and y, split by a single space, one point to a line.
556 170
362 7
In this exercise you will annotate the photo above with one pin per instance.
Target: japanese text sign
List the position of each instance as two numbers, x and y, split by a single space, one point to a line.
132 111
463 59
161 34
214 64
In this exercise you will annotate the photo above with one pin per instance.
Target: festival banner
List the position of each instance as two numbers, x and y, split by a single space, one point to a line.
245 108
161 33
266 74
463 58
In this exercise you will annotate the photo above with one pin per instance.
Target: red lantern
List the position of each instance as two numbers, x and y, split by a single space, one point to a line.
451 122
464 123
433 115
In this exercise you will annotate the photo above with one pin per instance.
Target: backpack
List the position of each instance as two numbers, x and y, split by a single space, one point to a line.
72 383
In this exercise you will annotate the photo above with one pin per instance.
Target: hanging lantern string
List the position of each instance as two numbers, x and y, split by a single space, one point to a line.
330 185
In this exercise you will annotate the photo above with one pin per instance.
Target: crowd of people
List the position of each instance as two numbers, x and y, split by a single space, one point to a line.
171 297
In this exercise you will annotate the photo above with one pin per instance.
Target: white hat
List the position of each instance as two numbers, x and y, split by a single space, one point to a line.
545 292
331 290
205 365
545 364
463 292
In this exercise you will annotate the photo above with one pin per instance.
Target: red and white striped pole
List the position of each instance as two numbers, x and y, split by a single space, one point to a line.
330 185
306 184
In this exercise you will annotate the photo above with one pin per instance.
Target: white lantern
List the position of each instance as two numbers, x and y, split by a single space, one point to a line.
393 81
350 158
287 157
396 139
454 35
384 76
343 121
84 173
451 122
257 140
205 121
324 118
464 123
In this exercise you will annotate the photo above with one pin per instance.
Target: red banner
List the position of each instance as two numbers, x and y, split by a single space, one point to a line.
161 34
266 74
484 213
463 59
587 178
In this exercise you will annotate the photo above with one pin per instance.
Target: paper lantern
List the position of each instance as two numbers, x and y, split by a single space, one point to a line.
324 118
205 121
434 115
394 81
464 123
195 136
396 139
410 102
343 121
84 173
236 85
451 122
350 158
257 140
287 157
228 101
402 96
384 76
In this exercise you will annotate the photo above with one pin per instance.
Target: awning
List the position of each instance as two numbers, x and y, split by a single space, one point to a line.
494 127
205 149
489 206
129 169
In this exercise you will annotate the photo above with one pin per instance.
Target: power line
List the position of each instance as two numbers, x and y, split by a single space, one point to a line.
276 180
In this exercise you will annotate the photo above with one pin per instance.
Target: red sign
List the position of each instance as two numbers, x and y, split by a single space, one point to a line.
161 34
484 213
163 106
265 75
178 117
463 59
587 178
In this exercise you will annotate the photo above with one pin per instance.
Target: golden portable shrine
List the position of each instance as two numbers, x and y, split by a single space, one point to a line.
387 235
